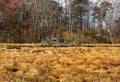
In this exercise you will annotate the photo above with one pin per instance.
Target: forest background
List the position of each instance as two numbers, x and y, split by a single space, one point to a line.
73 21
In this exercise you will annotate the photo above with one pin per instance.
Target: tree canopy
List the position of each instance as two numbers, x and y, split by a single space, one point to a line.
45 19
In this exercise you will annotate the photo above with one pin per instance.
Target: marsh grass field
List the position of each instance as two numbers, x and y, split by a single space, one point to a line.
85 63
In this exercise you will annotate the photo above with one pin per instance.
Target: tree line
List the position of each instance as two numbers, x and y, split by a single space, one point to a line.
73 21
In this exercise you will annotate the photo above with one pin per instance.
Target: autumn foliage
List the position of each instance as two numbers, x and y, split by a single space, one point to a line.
42 20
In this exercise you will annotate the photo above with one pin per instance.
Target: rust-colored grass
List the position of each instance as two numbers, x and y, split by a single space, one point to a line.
59 64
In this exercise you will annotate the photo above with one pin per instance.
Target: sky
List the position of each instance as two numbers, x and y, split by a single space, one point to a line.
93 0
64 0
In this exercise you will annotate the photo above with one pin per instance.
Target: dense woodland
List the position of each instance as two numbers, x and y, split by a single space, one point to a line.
73 21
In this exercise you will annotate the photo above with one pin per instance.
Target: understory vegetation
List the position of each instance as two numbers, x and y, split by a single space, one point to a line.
89 36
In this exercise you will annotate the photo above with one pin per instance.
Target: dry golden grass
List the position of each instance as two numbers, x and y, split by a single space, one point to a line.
59 64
